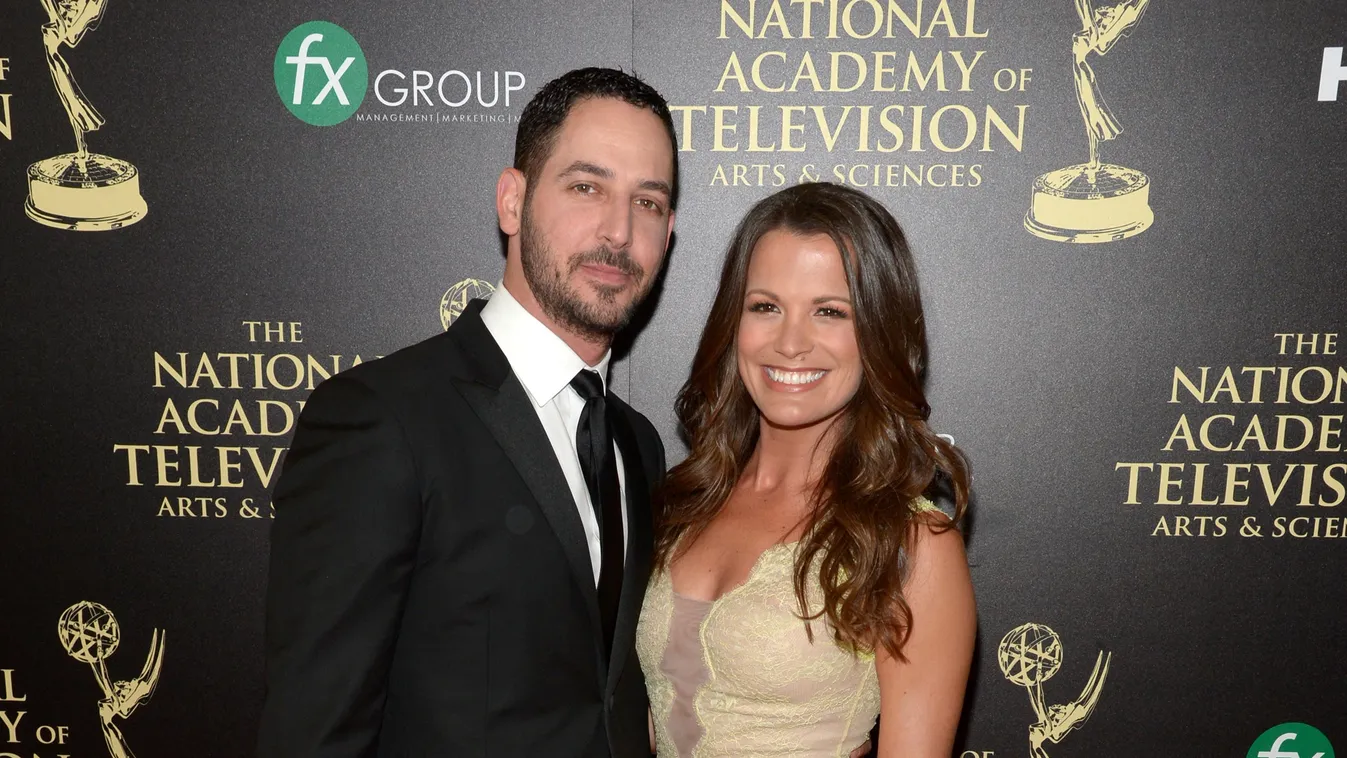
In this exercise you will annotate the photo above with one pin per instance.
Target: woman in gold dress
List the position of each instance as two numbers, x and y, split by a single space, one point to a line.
804 585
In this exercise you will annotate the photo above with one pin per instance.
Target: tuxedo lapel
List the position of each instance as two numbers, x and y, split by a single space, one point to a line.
499 400
640 544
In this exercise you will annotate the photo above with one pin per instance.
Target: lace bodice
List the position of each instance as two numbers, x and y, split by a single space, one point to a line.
744 670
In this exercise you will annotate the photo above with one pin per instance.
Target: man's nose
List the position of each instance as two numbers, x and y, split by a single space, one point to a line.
615 226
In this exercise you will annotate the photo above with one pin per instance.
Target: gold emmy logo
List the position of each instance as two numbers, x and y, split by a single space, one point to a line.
89 633
81 191
1030 655
456 298
1094 201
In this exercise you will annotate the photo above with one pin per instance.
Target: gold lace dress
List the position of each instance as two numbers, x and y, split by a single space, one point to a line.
739 677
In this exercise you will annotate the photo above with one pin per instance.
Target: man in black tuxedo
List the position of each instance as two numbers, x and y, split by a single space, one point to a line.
463 528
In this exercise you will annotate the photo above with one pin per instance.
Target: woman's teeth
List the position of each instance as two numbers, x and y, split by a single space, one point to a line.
794 377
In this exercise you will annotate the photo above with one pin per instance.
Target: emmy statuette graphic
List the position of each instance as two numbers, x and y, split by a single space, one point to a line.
1094 201
456 298
1030 655
89 633
79 191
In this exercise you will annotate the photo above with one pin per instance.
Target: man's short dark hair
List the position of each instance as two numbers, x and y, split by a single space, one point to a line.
544 114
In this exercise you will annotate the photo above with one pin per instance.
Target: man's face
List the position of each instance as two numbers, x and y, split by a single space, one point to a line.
596 219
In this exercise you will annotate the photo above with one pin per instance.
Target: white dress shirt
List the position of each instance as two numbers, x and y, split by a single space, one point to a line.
545 365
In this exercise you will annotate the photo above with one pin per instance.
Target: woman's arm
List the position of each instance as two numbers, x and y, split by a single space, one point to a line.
921 698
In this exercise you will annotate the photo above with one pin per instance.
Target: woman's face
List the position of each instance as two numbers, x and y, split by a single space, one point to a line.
797 338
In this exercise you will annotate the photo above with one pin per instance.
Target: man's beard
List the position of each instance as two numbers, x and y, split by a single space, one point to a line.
562 303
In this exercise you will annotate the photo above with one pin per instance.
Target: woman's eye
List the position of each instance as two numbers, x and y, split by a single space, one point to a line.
832 312
762 306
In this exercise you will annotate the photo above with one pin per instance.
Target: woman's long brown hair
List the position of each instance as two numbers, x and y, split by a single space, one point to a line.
883 454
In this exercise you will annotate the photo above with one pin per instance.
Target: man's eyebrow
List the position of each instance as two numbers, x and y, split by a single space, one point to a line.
657 185
585 167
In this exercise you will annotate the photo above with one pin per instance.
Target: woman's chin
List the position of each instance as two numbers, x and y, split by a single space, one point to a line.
797 421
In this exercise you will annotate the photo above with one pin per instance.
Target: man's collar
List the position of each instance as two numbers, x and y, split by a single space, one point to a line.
541 360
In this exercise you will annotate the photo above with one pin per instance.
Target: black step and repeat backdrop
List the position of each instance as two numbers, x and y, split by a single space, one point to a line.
1128 216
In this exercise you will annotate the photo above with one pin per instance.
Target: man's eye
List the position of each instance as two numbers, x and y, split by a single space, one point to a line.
650 205
584 188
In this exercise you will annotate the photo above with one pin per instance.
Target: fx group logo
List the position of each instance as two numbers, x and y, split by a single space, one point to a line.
322 77
1293 740
321 74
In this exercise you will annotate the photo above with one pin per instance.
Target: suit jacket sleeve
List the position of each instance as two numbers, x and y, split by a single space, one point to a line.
657 478
655 464
343 546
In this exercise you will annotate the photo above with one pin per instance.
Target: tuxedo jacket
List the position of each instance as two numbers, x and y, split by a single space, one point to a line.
431 592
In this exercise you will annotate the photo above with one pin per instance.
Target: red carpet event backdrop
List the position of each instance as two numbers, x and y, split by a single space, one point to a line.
1128 216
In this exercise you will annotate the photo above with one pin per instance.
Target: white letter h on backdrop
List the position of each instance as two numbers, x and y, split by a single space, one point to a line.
1333 74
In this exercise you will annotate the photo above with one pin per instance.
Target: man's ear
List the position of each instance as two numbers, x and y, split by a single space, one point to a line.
668 235
510 191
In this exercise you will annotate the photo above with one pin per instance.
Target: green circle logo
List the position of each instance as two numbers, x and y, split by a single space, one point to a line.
1294 740
321 73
